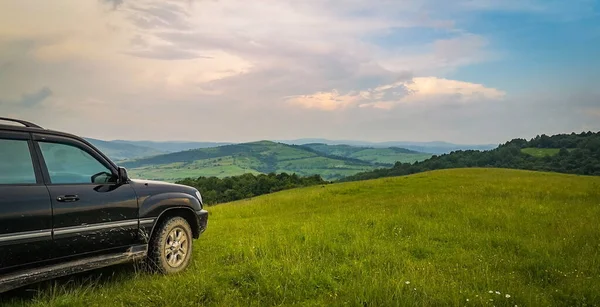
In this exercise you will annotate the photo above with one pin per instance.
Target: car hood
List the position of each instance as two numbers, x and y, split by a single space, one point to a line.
150 187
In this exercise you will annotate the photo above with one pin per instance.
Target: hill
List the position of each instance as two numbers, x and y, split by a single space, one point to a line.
389 155
563 153
123 151
425 147
238 159
444 238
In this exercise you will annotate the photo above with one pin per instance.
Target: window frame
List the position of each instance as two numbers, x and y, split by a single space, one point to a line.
37 138
24 136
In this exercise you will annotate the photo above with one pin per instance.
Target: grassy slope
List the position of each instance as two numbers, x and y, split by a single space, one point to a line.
377 155
232 160
453 234
389 156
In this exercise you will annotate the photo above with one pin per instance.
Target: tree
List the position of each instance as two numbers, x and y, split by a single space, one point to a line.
579 154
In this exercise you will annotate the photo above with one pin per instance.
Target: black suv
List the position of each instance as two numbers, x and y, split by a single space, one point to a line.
66 208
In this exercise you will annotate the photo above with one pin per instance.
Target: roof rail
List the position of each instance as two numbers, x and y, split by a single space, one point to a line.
22 122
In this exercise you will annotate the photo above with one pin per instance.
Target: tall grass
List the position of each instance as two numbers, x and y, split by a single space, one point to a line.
445 238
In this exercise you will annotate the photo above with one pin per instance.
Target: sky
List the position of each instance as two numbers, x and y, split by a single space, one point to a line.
462 71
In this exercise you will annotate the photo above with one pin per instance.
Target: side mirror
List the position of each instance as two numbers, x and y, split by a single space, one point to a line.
123 177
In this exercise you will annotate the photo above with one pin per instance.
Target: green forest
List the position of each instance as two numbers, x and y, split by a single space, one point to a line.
563 153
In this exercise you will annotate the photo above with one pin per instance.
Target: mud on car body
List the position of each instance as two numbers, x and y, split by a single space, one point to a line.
66 208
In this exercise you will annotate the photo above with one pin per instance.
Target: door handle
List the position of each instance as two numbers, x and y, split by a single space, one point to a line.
67 198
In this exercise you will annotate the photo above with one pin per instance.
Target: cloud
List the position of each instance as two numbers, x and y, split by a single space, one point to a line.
595 112
114 3
167 53
159 14
431 88
327 101
418 90
31 100
441 56
220 47
258 69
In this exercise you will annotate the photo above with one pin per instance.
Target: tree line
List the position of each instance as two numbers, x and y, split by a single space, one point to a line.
578 154
220 190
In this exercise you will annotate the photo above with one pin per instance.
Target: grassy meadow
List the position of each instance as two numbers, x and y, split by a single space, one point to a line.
460 237
542 152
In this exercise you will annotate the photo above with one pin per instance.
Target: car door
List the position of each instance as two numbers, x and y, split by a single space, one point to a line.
25 207
91 211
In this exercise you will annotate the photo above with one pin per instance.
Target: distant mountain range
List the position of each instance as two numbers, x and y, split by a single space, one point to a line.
437 147
123 150
172 146
330 159
120 150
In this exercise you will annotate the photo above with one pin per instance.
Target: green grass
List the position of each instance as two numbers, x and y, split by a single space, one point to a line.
542 152
431 239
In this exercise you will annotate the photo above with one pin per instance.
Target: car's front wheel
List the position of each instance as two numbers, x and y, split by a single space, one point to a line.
170 249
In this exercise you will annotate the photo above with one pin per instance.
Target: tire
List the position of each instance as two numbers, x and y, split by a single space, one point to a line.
171 247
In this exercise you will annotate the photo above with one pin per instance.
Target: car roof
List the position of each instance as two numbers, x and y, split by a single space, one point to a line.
33 128
39 130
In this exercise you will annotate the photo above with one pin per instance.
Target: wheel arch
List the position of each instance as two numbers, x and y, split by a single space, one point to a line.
186 213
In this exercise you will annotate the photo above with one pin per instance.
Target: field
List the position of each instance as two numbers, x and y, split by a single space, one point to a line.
389 155
542 152
461 237
218 167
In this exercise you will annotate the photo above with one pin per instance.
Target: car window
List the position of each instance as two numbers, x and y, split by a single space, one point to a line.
68 164
16 166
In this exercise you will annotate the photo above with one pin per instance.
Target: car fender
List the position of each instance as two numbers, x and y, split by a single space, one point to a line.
153 206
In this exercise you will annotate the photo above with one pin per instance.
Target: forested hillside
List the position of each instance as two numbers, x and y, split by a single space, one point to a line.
255 158
563 153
